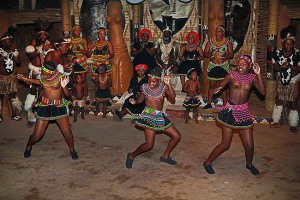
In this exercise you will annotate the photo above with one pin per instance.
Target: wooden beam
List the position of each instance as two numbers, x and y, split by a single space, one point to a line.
29 16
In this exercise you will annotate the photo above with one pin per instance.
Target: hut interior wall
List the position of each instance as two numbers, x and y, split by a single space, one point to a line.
261 47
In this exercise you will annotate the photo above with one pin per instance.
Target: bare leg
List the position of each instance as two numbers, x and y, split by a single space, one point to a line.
97 108
196 115
81 109
227 134
186 115
212 85
65 129
175 136
124 112
104 109
37 135
248 144
147 146
75 113
224 96
182 80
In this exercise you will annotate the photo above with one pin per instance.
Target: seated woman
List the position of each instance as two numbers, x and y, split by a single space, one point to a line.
135 87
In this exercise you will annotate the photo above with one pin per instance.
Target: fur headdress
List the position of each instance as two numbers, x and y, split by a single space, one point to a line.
42 26
288 33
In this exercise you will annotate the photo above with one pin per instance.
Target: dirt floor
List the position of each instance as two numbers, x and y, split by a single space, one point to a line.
100 172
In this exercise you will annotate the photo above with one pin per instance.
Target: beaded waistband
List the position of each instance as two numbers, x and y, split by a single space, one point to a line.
47 101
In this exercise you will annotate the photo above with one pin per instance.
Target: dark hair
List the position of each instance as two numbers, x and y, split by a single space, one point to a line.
190 72
71 53
155 72
49 65
289 31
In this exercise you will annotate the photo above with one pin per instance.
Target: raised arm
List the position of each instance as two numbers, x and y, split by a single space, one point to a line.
258 82
170 93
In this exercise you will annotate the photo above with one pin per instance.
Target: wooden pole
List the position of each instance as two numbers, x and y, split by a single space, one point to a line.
213 15
205 39
66 18
136 22
271 46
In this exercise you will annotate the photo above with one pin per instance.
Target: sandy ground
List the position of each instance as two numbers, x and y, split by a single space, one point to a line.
100 172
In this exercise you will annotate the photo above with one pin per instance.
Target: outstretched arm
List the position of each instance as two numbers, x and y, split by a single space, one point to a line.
28 80
225 81
140 99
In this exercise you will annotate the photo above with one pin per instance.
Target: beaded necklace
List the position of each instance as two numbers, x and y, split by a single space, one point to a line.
191 46
156 93
216 43
100 45
53 80
76 42
243 79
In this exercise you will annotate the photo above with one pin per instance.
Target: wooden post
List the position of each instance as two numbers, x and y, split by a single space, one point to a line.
205 39
213 15
21 4
271 46
66 18
136 22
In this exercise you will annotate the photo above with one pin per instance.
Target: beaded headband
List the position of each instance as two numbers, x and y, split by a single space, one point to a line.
289 37
247 59
221 27
153 76
76 27
47 70
190 70
43 32
6 37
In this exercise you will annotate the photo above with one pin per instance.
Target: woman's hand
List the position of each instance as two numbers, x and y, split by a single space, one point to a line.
132 101
64 81
218 89
167 80
256 68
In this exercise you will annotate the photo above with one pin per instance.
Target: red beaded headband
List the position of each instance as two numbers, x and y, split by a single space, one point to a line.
247 59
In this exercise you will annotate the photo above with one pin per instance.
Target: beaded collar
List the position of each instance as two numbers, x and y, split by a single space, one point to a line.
216 43
156 93
100 45
53 80
243 79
